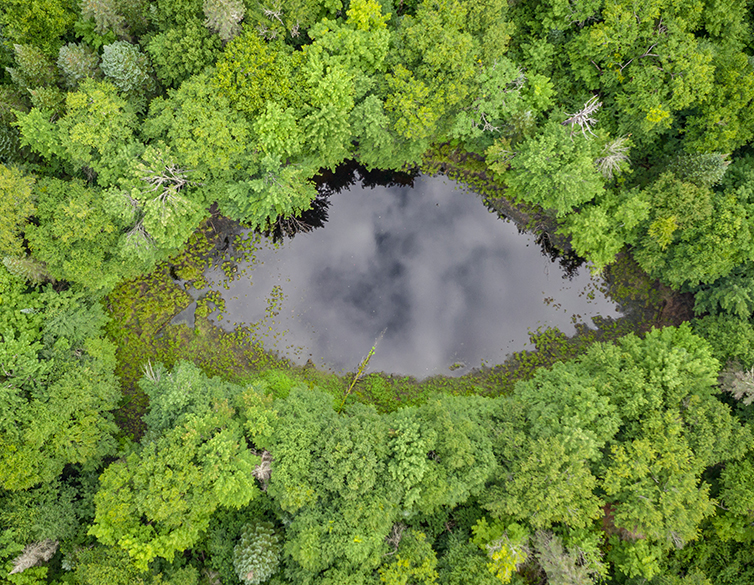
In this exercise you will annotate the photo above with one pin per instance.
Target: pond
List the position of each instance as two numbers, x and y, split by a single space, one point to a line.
418 268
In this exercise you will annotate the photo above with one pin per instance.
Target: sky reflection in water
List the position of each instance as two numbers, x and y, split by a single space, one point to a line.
449 282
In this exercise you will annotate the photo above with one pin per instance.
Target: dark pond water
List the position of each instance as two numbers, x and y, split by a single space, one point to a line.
444 284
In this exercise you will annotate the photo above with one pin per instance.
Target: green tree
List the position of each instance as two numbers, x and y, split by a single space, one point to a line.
278 133
78 62
105 15
16 207
224 17
703 170
694 235
76 238
251 72
57 389
30 270
182 52
672 429
601 230
257 555
129 69
650 69
95 133
34 68
565 565
362 42
176 482
413 562
730 338
723 121
327 105
125 18
279 191
39 22
732 294
555 169
464 563
202 130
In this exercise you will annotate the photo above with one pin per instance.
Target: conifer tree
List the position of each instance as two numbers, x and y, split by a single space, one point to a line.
703 170
27 268
128 68
105 15
34 68
224 17
77 62
257 555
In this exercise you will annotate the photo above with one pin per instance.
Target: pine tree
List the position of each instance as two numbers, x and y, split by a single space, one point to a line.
563 567
224 17
127 67
34 68
77 62
703 170
105 15
27 268
257 556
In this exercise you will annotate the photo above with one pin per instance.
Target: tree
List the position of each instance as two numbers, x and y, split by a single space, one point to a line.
505 546
129 69
256 556
279 191
16 207
328 102
694 235
78 62
96 132
57 389
224 17
703 170
732 294
498 98
655 480
555 169
194 460
722 121
204 133
650 68
167 210
182 52
76 238
545 483
464 563
30 270
34 68
601 230
278 133
361 43
561 565
672 429
40 22
106 16
413 562
176 482
251 72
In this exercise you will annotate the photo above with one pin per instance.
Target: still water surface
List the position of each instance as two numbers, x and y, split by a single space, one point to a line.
451 285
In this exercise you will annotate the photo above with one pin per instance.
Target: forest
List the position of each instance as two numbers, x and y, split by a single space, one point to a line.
126 124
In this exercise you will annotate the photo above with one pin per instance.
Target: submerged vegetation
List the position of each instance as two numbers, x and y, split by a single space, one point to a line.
136 451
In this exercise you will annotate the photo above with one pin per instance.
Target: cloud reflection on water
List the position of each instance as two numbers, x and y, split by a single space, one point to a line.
448 280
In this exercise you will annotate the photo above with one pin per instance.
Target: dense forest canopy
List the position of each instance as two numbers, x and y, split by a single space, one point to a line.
627 123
